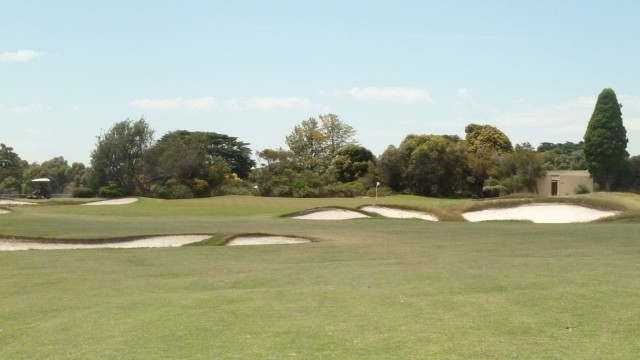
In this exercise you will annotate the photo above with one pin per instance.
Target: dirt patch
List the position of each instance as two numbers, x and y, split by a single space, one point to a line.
399 213
266 240
114 201
331 214
540 213
156 241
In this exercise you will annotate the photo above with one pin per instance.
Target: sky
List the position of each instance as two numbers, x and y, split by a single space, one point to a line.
70 70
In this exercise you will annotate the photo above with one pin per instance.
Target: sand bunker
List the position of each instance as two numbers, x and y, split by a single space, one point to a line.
540 213
157 241
399 213
331 214
14 202
266 240
114 201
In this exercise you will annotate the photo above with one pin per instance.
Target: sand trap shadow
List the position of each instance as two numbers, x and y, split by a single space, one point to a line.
540 213
398 213
330 214
266 240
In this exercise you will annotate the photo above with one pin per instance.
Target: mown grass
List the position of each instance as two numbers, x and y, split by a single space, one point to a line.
366 289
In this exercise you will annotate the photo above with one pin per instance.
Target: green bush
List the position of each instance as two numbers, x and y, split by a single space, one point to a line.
582 189
111 191
83 192
494 191
235 187
347 190
200 188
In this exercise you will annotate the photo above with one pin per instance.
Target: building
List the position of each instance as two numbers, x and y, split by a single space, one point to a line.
563 182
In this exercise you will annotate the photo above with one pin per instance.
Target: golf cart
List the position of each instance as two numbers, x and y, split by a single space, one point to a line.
40 189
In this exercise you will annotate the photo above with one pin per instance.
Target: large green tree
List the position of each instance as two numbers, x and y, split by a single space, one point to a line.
487 138
308 144
11 170
605 140
196 158
391 168
55 169
351 162
313 142
563 156
487 145
529 166
118 158
436 165
336 132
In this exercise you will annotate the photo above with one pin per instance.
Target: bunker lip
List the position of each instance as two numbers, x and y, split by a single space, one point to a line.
148 242
266 240
15 202
121 201
329 213
540 213
392 212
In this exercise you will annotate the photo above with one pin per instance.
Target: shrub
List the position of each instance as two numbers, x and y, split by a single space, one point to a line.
111 191
173 189
83 192
235 186
200 188
382 191
351 189
582 189
282 191
494 191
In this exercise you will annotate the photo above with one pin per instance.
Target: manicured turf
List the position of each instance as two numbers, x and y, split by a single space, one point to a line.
367 289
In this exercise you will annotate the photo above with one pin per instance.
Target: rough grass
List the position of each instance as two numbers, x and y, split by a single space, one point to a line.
365 289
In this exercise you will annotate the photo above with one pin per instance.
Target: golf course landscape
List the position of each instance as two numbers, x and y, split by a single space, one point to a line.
367 288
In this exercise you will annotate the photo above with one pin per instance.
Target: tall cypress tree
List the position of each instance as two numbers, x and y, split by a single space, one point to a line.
605 141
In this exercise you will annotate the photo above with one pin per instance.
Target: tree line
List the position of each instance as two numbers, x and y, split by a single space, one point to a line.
323 159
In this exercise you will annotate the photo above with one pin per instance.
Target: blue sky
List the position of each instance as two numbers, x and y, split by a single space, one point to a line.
69 70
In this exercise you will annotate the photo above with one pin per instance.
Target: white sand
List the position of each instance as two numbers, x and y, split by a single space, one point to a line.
121 201
540 213
158 241
331 214
399 213
14 202
3 211
266 240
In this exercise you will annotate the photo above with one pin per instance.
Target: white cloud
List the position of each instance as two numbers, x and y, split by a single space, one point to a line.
464 97
162 105
75 108
27 109
202 104
279 103
209 103
389 94
19 56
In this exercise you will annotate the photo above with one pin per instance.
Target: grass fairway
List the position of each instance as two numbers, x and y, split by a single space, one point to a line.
366 289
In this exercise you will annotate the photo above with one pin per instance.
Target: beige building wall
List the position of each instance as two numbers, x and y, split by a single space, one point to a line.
563 182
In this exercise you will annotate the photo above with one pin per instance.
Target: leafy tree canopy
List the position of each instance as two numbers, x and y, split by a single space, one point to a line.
208 146
118 158
605 140
487 138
